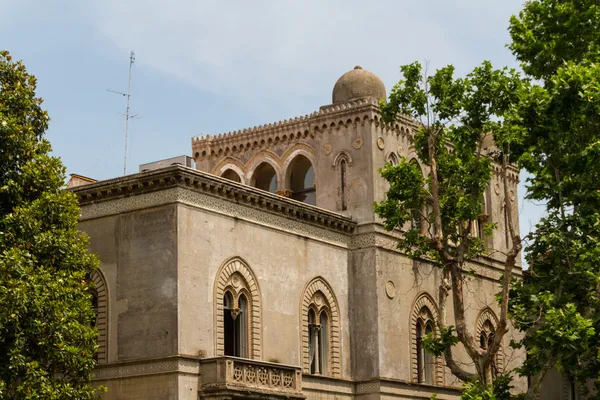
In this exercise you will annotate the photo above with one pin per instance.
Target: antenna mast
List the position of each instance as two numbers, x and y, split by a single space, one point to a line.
128 114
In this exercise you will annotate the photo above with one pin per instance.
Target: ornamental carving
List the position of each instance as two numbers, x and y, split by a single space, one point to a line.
425 310
236 277
357 143
390 289
319 296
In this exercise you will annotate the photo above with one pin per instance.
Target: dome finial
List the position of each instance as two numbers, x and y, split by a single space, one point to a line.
356 84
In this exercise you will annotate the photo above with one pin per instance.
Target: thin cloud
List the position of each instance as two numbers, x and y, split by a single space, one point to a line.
267 51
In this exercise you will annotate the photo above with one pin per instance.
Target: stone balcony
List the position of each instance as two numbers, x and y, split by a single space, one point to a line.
232 377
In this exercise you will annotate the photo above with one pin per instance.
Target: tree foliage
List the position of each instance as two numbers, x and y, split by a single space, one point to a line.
557 305
47 343
462 136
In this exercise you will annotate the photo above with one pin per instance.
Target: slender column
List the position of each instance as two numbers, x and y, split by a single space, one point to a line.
315 332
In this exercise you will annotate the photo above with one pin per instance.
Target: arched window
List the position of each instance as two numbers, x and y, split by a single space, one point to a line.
341 163
425 360
265 178
237 301
482 219
231 175
486 336
236 325
393 159
485 330
343 178
100 306
301 180
320 330
426 367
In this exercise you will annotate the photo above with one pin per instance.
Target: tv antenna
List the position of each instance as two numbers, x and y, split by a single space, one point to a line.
128 114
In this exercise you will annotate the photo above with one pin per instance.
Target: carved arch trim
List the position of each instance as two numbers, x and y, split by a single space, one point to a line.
265 156
236 276
230 163
412 158
487 315
392 158
101 290
424 301
298 148
342 155
319 290
290 155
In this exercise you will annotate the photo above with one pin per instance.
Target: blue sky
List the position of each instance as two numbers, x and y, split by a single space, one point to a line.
206 67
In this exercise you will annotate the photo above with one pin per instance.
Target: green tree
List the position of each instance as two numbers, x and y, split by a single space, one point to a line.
557 306
47 342
462 138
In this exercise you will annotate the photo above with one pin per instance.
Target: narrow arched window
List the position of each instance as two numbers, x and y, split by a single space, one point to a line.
242 328
229 322
420 353
426 367
486 338
425 360
324 341
100 319
429 363
320 330
312 342
343 184
341 164
482 218
237 307
235 318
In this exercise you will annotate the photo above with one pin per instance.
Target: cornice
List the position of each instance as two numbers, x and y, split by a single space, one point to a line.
178 176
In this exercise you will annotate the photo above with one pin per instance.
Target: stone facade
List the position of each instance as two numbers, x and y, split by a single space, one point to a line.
265 273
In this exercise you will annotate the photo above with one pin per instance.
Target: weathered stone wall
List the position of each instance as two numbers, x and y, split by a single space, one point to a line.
283 264
151 387
138 256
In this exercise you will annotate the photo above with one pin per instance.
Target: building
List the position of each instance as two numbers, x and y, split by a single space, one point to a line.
264 273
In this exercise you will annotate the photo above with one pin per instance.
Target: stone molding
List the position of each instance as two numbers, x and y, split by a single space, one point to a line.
424 301
225 281
147 367
379 386
320 286
91 197
102 317
485 267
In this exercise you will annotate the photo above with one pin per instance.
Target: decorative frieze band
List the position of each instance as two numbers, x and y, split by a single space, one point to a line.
225 194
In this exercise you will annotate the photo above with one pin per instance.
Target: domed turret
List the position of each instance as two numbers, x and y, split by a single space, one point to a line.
356 84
